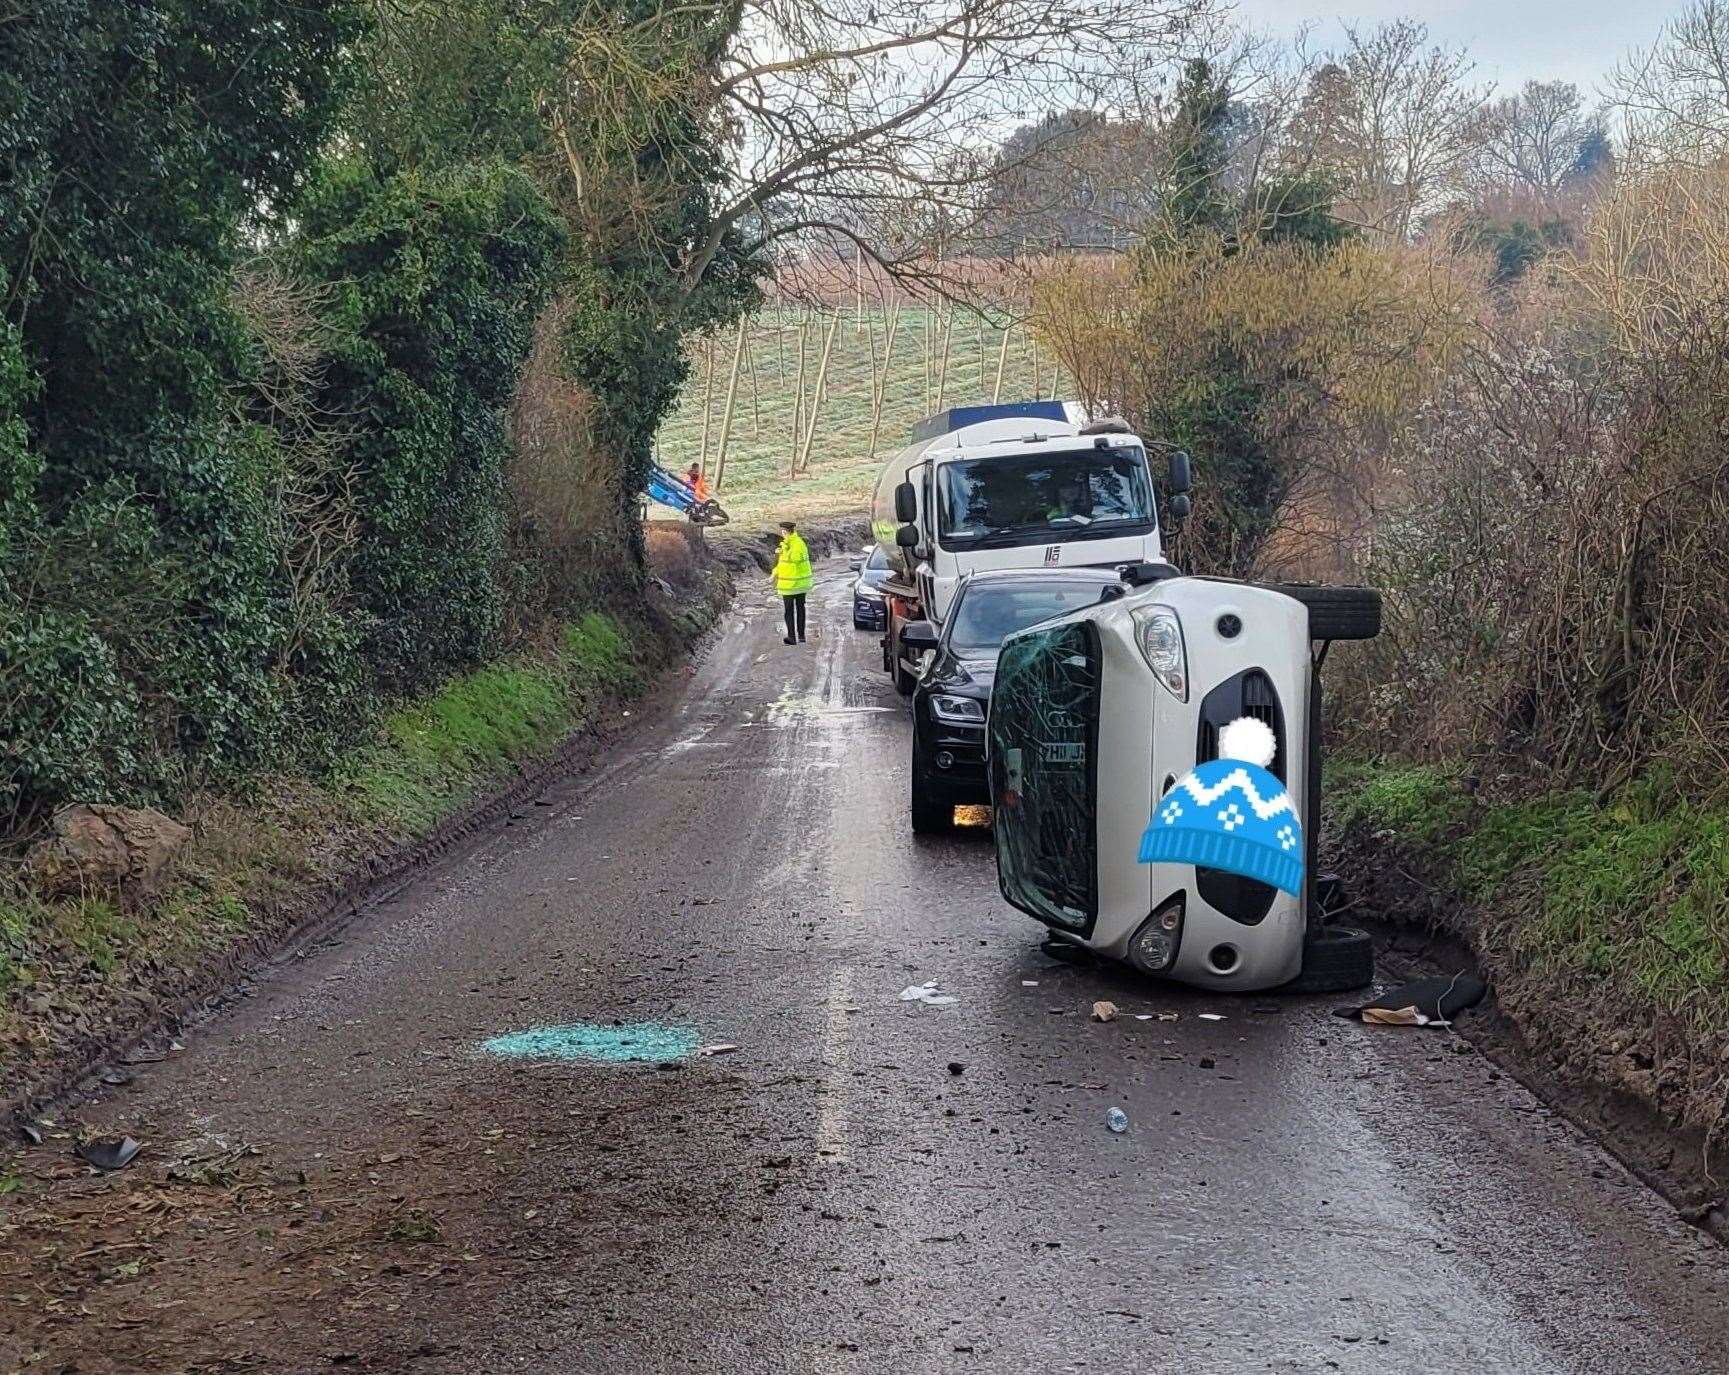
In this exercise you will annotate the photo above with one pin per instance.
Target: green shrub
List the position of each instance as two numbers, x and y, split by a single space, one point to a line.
1419 802
146 147
438 276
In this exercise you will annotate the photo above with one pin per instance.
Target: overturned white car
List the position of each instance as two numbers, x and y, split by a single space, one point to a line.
1097 715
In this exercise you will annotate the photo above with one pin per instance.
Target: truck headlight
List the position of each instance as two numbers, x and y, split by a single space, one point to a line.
1160 636
950 708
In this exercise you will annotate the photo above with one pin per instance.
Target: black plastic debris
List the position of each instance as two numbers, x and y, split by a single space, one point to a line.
1422 1002
110 1152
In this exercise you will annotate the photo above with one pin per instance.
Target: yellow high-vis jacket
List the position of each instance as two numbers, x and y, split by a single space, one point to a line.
792 573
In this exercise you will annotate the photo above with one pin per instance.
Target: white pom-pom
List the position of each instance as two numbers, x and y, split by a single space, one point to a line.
1250 740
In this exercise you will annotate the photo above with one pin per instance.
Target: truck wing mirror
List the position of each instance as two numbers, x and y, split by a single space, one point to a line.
906 503
918 636
1180 508
907 537
1179 473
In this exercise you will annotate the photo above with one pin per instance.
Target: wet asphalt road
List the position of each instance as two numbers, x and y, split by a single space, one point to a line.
831 1197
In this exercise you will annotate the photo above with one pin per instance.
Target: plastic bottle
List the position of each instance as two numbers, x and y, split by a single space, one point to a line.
1117 1120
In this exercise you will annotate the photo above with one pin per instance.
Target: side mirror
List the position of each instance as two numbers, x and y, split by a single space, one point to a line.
918 637
856 563
907 537
1180 508
1179 473
906 503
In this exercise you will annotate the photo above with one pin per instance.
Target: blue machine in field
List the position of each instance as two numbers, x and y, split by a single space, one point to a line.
673 491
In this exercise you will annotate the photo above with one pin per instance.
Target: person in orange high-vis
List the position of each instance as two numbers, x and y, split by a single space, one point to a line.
698 483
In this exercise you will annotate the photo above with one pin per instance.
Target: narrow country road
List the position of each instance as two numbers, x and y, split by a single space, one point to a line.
1295 1193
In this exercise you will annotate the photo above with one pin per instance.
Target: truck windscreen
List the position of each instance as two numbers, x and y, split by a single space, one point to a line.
1025 499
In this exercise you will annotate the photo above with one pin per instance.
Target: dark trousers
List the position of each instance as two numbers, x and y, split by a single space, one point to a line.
794 615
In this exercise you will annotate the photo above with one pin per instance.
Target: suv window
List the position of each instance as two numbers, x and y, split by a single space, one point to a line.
988 613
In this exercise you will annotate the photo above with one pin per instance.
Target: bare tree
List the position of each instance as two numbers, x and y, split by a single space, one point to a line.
863 127
1402 125
1674 96
1535 142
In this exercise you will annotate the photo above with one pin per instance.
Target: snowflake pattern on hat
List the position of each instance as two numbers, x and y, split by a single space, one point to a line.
1230 813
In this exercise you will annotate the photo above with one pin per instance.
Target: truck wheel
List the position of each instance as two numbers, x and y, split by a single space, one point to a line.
1336 959
904 681
933 813
1337 613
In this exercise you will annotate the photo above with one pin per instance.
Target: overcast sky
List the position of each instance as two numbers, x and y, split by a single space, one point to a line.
1512 40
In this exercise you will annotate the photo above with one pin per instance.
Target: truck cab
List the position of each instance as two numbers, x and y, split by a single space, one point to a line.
1026 485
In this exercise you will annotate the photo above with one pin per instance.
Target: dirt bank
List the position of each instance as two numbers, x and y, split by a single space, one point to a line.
1577 1048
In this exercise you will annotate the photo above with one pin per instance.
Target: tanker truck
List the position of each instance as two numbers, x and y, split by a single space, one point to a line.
1032 484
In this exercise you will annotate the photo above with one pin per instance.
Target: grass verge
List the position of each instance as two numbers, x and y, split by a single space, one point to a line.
1621 904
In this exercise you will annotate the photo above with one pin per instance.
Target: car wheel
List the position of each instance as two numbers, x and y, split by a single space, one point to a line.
1336 959
1337 613
933 813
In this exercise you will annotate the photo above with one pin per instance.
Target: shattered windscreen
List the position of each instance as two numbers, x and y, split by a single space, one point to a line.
1044 728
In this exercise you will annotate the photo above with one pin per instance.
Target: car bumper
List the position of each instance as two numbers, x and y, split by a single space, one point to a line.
952 757
869 613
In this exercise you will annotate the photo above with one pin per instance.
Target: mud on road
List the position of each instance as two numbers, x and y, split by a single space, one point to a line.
339 1175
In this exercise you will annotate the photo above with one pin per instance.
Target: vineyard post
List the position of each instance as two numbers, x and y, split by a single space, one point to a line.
726 415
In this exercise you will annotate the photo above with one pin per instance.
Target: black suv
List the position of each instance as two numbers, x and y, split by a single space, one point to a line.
953 693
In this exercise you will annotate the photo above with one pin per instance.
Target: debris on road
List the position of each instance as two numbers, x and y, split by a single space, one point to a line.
718 1048
1029 983
620 1043
1210 1016
1117 1120
1432 1001
110 1153
956 1067
1168 1016
928 994
1104 1011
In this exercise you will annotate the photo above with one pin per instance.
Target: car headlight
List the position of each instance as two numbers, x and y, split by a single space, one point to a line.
950 708
1154 946
868 592
1160 636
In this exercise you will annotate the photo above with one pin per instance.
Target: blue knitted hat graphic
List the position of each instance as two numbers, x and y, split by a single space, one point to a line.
1231 814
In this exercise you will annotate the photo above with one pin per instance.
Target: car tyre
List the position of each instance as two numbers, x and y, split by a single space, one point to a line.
932 812
1336 959
1337 613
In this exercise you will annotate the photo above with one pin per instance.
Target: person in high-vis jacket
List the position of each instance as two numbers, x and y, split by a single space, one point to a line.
792 579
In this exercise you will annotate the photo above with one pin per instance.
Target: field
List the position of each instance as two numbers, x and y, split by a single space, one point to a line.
842 468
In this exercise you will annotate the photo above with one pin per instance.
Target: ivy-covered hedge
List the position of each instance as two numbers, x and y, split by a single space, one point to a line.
437 278
269 277
141 144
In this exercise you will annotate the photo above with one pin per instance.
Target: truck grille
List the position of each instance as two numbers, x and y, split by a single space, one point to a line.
1250 693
